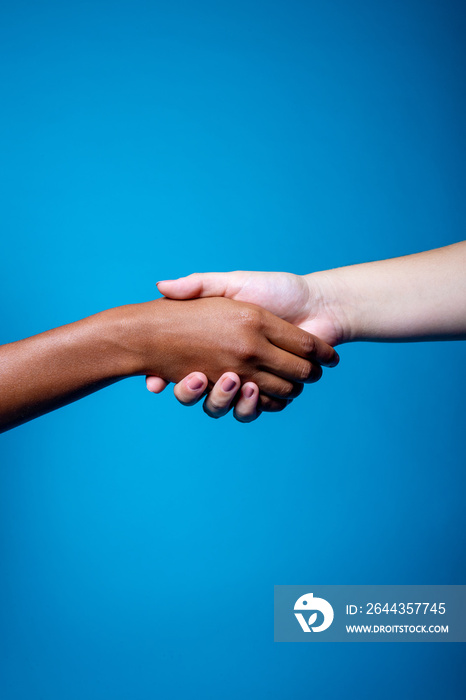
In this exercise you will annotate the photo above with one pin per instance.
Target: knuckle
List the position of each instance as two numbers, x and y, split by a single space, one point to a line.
297 390
251 317
265 402
270 405
286 391
316 374
290 391
305 370
182 398
246 350
277 407
243 416
186 401
213 409
215 406
308 344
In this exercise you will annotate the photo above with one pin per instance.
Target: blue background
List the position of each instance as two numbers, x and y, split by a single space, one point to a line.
140 540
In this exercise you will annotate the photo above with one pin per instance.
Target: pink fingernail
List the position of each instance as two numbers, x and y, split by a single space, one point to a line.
248 391
228 384
194 383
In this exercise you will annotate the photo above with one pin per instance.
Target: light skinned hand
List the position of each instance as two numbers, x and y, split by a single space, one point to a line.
226 391
284 294
409 298
297 299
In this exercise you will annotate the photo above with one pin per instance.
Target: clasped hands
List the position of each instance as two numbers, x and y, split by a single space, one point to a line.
244 344
250 340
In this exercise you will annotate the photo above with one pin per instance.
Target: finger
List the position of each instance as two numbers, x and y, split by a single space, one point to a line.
269 405
291 338
276 387
291 367
156 384
218 401
207 284
246 408
191 388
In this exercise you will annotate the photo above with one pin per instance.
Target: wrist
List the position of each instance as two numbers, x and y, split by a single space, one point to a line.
146 333
333 297
123 338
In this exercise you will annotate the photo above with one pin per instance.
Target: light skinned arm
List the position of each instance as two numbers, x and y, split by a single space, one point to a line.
410 298
167 338
415 297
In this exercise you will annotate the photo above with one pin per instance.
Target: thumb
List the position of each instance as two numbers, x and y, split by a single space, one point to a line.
206 284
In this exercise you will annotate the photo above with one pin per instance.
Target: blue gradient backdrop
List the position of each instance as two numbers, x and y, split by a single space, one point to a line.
140 541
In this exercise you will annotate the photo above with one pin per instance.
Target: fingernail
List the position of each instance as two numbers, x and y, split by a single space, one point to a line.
194 383
248 391
228 384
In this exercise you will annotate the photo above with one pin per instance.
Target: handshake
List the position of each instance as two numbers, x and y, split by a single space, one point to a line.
250 340
297 320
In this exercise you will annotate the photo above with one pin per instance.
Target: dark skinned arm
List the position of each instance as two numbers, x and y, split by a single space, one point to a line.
166 338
